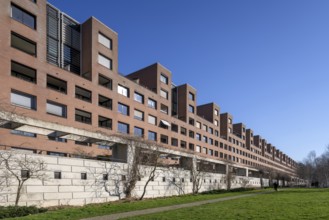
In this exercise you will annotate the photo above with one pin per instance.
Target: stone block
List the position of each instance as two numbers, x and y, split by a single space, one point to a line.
58 182
83 195
77 169
71 188
26 197
79 182
53 196
45 189
55 167
70 175
49 203
70 161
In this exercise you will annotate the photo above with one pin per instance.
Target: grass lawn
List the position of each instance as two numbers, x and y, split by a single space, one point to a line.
285 204
72 213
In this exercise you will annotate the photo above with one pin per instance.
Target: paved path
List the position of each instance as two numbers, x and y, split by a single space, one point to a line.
169 208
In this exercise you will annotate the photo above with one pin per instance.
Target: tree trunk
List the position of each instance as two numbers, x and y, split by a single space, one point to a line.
18 193
151 176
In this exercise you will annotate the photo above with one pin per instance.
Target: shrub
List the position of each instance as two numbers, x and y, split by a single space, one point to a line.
17 211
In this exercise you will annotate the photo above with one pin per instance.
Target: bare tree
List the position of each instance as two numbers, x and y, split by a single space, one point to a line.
21 167
178 180
245 182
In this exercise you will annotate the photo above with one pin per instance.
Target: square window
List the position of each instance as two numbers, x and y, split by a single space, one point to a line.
104 81
25 174
23 100
57 109
138 97
123 109
83 176
191 96
57 175
163 78
21 43
152 120
107 42
23 16
191 108
139 115
123 128
163 93
123 90
23 72
82 116
105 61
151 103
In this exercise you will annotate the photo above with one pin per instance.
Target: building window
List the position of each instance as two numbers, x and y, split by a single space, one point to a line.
204 150
104 122
163 79
230 121
229 130
104 61
139 132
104 81
174 127
216 122
152 136
210 130
123 128
138 97
83 176
25 174
54 108
83 143
198 124
205 139
191 134
198 136
123 109
139 115
23 16
152 120
163 93
183 131
151 103
107 42
23 72
204 127
105 177
191 108
123 90
216 112
198 148
82 116
21 43
191 146
174 142
183 144
105 102
57 175
56 84
23 100
164 139
83 94
191 96
23 133
164 109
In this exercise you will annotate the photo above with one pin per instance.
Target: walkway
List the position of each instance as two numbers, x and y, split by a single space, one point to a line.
169 208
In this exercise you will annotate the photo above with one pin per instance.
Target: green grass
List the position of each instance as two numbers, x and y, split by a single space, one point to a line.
73 213
285 204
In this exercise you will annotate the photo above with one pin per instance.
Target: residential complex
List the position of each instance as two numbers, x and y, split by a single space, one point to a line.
61 94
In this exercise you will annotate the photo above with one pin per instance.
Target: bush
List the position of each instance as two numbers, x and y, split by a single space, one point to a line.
18 211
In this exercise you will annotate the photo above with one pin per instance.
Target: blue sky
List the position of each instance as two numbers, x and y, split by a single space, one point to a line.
265 62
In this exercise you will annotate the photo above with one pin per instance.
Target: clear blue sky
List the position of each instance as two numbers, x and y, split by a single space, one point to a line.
265 62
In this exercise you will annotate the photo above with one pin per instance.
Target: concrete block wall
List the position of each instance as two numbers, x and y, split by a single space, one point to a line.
72 190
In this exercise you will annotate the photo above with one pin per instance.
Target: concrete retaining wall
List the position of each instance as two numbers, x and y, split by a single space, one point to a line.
72 190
